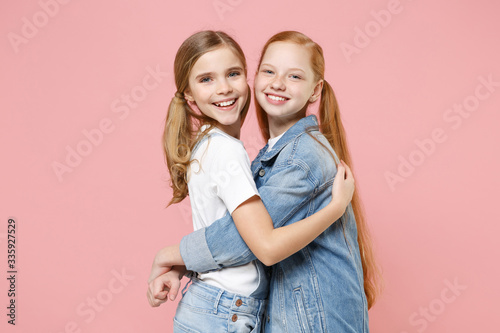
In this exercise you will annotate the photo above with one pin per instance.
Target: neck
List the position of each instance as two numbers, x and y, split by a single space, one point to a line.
279 125
234 129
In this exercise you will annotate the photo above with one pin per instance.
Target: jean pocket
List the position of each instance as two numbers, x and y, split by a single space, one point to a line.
180 328
197 302
300 310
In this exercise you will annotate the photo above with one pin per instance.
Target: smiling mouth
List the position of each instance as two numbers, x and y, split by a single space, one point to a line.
276 98
225 103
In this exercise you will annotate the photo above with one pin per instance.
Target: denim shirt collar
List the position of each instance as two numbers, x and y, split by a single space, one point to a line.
300 127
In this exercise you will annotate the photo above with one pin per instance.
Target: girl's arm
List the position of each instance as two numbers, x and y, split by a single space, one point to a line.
272 245
256 227
164 260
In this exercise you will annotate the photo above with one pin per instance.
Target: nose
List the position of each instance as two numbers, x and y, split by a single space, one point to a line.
224 87
277 83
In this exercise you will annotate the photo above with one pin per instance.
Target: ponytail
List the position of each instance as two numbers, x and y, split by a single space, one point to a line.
176 144
332 128
331 124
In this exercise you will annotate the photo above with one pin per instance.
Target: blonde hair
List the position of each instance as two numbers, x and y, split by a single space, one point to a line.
182 122
333 130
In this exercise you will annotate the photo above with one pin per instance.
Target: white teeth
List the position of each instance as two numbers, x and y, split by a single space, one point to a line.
276 98
226 103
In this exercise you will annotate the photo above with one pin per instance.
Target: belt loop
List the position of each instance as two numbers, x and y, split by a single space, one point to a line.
217 300
184 290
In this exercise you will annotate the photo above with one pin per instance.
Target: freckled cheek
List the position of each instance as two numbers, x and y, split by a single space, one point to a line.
259 83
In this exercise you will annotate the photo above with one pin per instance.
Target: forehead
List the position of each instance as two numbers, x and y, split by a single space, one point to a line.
288 54
217 60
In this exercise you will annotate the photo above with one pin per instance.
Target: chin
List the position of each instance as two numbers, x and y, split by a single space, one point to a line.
272 110
228 122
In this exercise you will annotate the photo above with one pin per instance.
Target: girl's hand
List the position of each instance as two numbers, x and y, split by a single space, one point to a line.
164 260
165 284
343 186
157 270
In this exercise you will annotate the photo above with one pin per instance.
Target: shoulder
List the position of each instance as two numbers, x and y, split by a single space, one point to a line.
220 151
312 153
311 147
226 147
215 143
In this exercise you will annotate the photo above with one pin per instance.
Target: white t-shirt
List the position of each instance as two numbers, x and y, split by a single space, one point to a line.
219 180
272 142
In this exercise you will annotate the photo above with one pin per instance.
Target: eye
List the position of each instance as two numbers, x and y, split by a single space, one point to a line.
205 79
267 71
296 77
234 74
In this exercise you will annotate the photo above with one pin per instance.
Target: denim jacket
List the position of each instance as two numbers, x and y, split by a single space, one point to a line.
319 288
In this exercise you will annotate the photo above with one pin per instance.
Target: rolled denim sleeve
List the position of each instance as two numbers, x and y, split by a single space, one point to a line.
195 253
284 194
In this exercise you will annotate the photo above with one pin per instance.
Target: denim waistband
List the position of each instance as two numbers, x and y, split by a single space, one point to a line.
221 297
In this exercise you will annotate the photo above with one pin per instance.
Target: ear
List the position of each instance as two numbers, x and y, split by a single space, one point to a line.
316 92
188 96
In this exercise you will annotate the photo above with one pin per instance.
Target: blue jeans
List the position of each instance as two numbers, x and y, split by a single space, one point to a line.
205 308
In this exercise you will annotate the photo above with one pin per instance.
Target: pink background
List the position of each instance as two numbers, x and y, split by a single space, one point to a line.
434 228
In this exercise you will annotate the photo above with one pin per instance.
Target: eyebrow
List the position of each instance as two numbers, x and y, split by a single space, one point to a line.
211 73
234 68
203 74
290 69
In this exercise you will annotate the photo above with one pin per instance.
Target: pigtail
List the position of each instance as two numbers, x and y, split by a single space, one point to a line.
176 144
333 130
331 123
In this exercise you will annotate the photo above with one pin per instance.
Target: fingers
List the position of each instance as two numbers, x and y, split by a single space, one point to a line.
162 295
157 292
340 171
160 288
153 301
348 172
174 288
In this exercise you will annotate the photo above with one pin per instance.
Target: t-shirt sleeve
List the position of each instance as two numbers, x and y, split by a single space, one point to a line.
231 174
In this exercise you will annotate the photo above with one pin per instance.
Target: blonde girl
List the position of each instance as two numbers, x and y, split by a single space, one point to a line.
206 158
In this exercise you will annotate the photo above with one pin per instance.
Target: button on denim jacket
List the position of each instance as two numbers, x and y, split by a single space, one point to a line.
319 288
